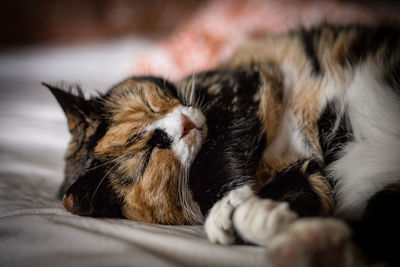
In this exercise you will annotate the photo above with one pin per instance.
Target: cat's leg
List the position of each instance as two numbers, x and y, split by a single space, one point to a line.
249 211
258 220
220 228
218 225
304 241
330 242
298 190
303 186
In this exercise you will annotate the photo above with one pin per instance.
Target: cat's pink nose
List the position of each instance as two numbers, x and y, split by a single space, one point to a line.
187 125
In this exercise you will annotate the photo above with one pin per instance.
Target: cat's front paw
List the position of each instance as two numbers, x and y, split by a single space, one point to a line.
313 242
218 225
259 220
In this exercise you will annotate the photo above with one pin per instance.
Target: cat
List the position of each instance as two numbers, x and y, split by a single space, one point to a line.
292 128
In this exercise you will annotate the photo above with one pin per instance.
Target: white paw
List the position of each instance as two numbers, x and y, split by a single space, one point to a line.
313 242
218 224
259 220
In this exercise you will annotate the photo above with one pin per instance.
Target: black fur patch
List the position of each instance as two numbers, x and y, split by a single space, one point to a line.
160 139
235 141
308 38
292 185
332 141
79 161
134 138
378 233
392 78
369 40
92 194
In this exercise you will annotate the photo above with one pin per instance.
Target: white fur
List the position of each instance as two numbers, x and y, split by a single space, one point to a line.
259 220
218 224
291 77
372 161
172 124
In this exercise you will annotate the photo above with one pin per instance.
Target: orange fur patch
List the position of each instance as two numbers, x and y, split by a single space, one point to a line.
154 198
133 105
270 107
324 191
305 103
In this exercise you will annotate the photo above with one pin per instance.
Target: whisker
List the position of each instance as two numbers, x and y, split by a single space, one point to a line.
190 209
179 93
98 186
105 163
192 89
200 100
186 90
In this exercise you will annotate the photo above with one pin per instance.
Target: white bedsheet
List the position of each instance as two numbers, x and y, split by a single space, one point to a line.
35 230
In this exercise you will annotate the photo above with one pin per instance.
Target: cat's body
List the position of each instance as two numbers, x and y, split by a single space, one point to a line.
309 118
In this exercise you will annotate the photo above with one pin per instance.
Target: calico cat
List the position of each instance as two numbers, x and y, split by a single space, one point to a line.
297 125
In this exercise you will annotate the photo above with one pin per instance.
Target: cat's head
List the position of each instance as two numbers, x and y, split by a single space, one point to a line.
130 152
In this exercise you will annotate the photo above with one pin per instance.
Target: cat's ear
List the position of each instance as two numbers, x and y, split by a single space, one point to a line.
75 107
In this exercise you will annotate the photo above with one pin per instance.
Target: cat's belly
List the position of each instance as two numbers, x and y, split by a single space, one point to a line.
372 160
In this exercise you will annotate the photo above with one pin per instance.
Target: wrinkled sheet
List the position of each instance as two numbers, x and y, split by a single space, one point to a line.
35 230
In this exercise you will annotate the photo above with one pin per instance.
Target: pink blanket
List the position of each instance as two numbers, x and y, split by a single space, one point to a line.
213 32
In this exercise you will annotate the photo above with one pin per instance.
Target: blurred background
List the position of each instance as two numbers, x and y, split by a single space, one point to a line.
184 36
27 22
175 37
